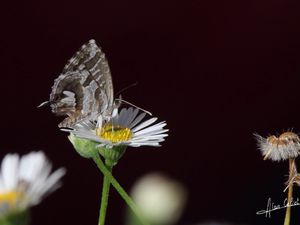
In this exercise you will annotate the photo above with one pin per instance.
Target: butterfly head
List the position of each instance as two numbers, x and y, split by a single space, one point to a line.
64 103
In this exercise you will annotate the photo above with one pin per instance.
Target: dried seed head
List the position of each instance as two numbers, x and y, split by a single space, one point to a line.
286 146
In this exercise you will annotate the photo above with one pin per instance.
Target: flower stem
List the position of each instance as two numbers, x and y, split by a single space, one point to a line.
119 188
104 198
290 192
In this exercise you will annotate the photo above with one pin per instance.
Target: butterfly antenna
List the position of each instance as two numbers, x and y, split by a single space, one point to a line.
128 103
126 88
43 103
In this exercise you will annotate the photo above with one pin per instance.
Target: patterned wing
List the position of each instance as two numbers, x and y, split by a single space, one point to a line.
91 58
84 89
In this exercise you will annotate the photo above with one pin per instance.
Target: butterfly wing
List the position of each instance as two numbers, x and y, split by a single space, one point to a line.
84 89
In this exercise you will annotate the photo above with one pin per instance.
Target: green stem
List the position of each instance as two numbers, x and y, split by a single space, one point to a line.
104 198
119 188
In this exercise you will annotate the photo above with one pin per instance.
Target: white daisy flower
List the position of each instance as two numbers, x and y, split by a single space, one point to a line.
124 129
25 181
285 146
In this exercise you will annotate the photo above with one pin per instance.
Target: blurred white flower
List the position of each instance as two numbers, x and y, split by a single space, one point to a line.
160 199
25 181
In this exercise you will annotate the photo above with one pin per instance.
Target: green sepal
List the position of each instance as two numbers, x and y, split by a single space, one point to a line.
86 148
16 218
112 155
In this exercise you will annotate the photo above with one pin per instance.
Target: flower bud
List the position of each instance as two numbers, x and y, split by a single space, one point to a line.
113 154
85 147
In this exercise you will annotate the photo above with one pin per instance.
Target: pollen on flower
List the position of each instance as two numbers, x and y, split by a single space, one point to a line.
114 133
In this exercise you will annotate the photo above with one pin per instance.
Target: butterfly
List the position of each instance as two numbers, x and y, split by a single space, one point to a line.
84 89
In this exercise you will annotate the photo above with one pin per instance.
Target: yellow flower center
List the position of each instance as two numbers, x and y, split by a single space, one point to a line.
114 133
10 198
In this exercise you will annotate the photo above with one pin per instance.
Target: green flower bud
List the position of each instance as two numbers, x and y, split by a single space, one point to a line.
113 154
86 148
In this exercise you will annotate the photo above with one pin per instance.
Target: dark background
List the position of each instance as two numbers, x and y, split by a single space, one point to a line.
216 71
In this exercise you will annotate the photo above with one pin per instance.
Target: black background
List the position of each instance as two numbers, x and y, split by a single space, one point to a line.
216 71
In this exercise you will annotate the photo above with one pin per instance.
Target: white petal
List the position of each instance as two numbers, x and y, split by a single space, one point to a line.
151 137
155 132
50 184
144 124
148 140
114 112
131 117
88 125
157 127
137 120
2 187
99 121
123 116
145 144
87 135
31 165
9 170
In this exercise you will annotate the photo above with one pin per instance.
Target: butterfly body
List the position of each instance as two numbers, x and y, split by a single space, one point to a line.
84 90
